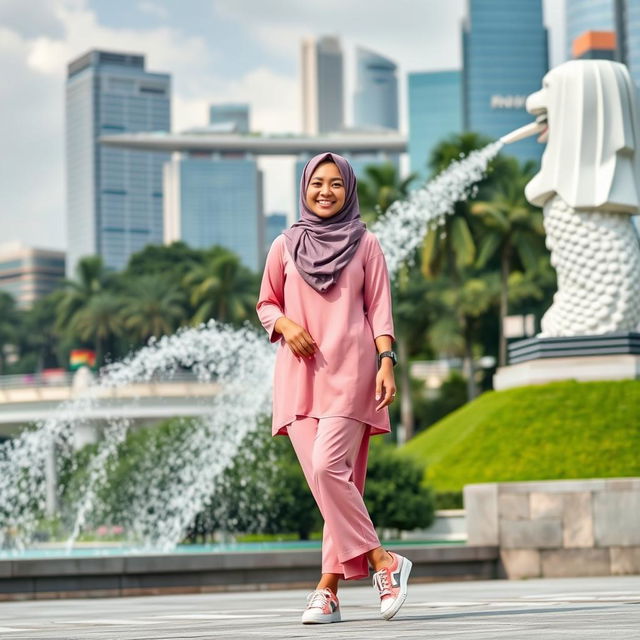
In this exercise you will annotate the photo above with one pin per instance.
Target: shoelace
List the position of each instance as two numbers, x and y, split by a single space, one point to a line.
318 598
381 581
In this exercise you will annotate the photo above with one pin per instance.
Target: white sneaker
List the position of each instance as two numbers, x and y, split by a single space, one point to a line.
391 583
322 606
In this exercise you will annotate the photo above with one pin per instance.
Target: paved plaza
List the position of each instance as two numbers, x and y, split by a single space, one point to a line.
584 608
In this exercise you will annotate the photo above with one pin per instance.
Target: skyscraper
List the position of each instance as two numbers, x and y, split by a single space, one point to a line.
376 97
216 200
623 16
322 85
238 114
505 58
588 15
435 112
114 196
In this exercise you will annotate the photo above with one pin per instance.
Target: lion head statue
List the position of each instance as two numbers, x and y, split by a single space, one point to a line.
592 158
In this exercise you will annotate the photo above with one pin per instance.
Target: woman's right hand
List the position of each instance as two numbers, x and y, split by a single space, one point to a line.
297 337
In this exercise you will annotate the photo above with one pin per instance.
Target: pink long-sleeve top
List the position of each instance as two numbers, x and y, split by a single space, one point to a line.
339 380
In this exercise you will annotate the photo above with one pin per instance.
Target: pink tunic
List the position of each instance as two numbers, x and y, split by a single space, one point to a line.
339 380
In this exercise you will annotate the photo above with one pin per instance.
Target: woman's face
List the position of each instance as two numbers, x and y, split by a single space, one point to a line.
326 194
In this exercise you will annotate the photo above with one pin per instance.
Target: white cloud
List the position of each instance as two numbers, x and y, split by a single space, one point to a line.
154 9
32 94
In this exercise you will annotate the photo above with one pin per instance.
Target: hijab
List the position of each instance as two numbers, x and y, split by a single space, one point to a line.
322 247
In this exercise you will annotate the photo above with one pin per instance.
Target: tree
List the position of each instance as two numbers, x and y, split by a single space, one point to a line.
91 279
461 309
8 326
380 187
152 306
99 322
377 191
513 230
222 288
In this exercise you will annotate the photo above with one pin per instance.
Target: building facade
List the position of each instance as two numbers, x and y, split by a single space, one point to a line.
215 201
238 114
505 56
114 196
28 274
621 16
435 113
322 85
376 96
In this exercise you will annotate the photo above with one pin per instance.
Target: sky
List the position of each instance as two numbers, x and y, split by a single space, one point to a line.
216 51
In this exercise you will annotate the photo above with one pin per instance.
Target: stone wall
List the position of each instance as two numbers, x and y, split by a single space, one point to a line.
558 528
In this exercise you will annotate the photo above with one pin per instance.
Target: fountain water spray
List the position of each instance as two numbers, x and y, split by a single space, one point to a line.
164 499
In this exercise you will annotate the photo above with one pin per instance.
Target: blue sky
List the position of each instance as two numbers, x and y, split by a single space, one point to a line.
216 50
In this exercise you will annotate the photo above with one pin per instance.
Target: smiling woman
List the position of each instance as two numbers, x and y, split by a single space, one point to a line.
326 194
325 297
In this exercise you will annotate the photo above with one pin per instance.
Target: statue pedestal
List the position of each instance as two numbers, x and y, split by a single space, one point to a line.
614 356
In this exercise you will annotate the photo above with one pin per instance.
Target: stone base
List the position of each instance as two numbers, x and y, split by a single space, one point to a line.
566 347
582 368
558 528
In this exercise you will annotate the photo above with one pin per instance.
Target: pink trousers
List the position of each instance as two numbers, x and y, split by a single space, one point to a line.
333 455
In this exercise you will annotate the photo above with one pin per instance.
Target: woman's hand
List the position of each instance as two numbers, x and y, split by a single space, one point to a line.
297 337
385 383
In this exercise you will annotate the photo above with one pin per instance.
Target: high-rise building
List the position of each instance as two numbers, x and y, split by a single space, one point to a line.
215 201
435 113
587 15
322 85
376 97
27 273
621 16
505 57
275 224
114 196
595 45
238 114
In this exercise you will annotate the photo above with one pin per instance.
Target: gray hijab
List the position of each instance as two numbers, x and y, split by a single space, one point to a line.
322 247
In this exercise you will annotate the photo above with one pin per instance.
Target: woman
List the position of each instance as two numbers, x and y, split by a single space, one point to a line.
325 296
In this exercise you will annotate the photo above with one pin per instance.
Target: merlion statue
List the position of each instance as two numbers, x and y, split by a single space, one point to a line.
589 187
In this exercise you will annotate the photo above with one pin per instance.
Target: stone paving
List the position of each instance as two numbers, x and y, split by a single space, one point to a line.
584 608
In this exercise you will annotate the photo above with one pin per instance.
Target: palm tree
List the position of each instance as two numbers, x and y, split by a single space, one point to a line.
462 306
99 321
152 307
452 247
513 230
91 278
222 288
381 187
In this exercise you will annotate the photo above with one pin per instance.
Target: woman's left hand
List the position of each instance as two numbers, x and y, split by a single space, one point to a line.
385 384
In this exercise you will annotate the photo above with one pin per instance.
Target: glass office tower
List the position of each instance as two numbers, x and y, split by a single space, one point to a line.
216 201
435 113
623 16
376 97
114 196
588 15
322 85
505 58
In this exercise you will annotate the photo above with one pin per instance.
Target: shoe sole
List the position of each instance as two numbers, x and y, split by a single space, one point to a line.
323 618
404 579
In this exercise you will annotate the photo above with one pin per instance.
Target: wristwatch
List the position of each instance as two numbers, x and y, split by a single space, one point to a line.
387 354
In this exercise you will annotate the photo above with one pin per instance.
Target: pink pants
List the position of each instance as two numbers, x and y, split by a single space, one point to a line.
333 455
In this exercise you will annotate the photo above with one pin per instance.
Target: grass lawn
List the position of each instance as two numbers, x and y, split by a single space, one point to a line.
559 430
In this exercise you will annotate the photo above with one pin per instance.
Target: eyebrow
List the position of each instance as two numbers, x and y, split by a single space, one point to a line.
332 179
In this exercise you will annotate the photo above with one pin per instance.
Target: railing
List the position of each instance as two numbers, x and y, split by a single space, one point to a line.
65 379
